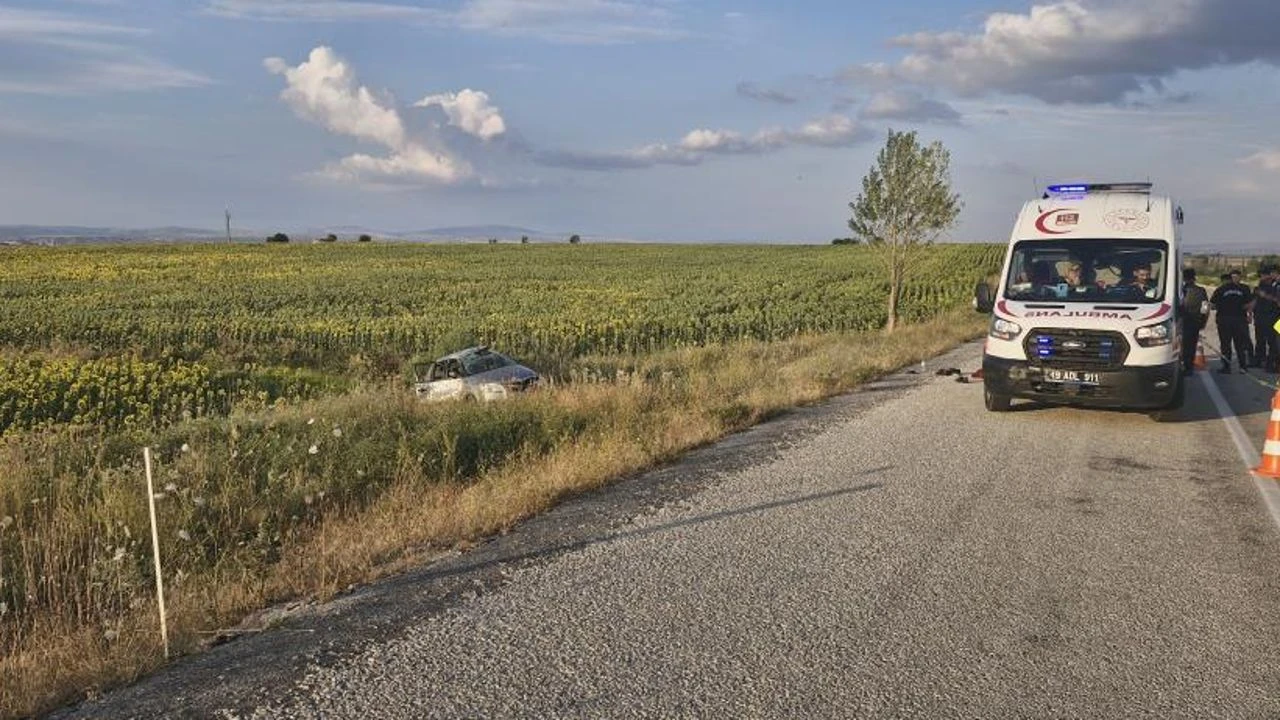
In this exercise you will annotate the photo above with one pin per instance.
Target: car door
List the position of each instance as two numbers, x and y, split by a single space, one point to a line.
447 382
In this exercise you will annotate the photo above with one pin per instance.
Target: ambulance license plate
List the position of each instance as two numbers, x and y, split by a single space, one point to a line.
1076 377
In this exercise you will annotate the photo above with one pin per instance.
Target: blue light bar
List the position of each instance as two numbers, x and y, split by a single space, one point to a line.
1077 190
1068 189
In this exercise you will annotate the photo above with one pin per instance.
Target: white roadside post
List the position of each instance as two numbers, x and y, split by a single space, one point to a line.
155 551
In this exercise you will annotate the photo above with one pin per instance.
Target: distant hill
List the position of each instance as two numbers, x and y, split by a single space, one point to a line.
498 231
82 233
79 233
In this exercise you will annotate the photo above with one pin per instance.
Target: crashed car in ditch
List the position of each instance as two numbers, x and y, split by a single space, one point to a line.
476 373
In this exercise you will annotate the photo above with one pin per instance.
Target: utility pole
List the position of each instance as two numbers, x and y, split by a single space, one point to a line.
228 211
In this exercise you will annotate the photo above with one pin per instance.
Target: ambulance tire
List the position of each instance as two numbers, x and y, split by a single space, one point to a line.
1170 412
994 401
1179 395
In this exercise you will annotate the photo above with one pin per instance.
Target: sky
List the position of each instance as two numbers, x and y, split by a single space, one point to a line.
660 120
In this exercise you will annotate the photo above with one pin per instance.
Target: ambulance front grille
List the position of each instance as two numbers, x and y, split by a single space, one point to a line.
1074 348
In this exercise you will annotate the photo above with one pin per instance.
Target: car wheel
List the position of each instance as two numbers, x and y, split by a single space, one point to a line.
995 402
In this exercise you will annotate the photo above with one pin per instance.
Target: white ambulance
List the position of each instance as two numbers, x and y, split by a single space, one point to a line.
1087 308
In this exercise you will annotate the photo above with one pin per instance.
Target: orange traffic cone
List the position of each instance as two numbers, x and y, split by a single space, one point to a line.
1270 466
1200 362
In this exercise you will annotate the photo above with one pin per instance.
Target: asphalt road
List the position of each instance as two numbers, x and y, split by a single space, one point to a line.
898 552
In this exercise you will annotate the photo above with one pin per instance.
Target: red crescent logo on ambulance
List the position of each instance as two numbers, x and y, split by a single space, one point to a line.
1164 308
1042 221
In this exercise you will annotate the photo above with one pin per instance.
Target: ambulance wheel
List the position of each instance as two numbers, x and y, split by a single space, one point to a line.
1169 412
995 402
1179 395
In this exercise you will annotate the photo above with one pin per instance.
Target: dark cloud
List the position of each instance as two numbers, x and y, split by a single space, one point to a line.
754 92
1082 51
843 103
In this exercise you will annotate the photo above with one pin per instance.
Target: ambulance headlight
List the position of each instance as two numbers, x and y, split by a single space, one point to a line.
1002 329
1155 335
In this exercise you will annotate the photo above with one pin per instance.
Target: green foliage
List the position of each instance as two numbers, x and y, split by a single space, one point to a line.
365 238
574 239
230 490
845 241
906 203
38 391
146 336
230 305
329 238
278 238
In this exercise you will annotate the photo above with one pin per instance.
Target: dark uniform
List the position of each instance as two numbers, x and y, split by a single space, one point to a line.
1231 301
1195 314
1265 313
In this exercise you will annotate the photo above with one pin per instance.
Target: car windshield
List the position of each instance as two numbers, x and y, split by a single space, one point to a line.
1130 271
479 362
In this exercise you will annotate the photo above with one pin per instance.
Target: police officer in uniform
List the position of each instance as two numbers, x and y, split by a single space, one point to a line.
1195 315
1231 303
1266 310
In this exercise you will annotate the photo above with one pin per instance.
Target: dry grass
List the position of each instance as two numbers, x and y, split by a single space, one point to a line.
650 410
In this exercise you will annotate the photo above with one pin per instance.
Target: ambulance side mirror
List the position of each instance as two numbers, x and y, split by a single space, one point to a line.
982 298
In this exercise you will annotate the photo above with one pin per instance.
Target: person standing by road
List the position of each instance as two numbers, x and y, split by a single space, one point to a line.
1195 314
1266 310
1231 303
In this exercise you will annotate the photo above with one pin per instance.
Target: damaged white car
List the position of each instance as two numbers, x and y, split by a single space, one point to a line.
476 373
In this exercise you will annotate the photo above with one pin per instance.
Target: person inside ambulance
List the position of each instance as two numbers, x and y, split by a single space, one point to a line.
1073 276
1071 282
1141 280
1042 280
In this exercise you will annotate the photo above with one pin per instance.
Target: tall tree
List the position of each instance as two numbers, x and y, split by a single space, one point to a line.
906 203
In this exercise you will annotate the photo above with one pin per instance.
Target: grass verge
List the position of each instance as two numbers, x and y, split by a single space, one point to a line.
260 508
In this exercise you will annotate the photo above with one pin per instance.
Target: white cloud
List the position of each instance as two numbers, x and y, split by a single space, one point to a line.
322 11
574 21
566 21
699 144
1268 160
470 111
413 163
17 23
51 53
830 131
324 90
703 140
901 104
1084 51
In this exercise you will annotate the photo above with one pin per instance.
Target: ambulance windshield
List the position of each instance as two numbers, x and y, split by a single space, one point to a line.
1118 271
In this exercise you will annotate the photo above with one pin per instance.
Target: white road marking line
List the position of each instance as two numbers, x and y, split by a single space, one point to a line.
1269 489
